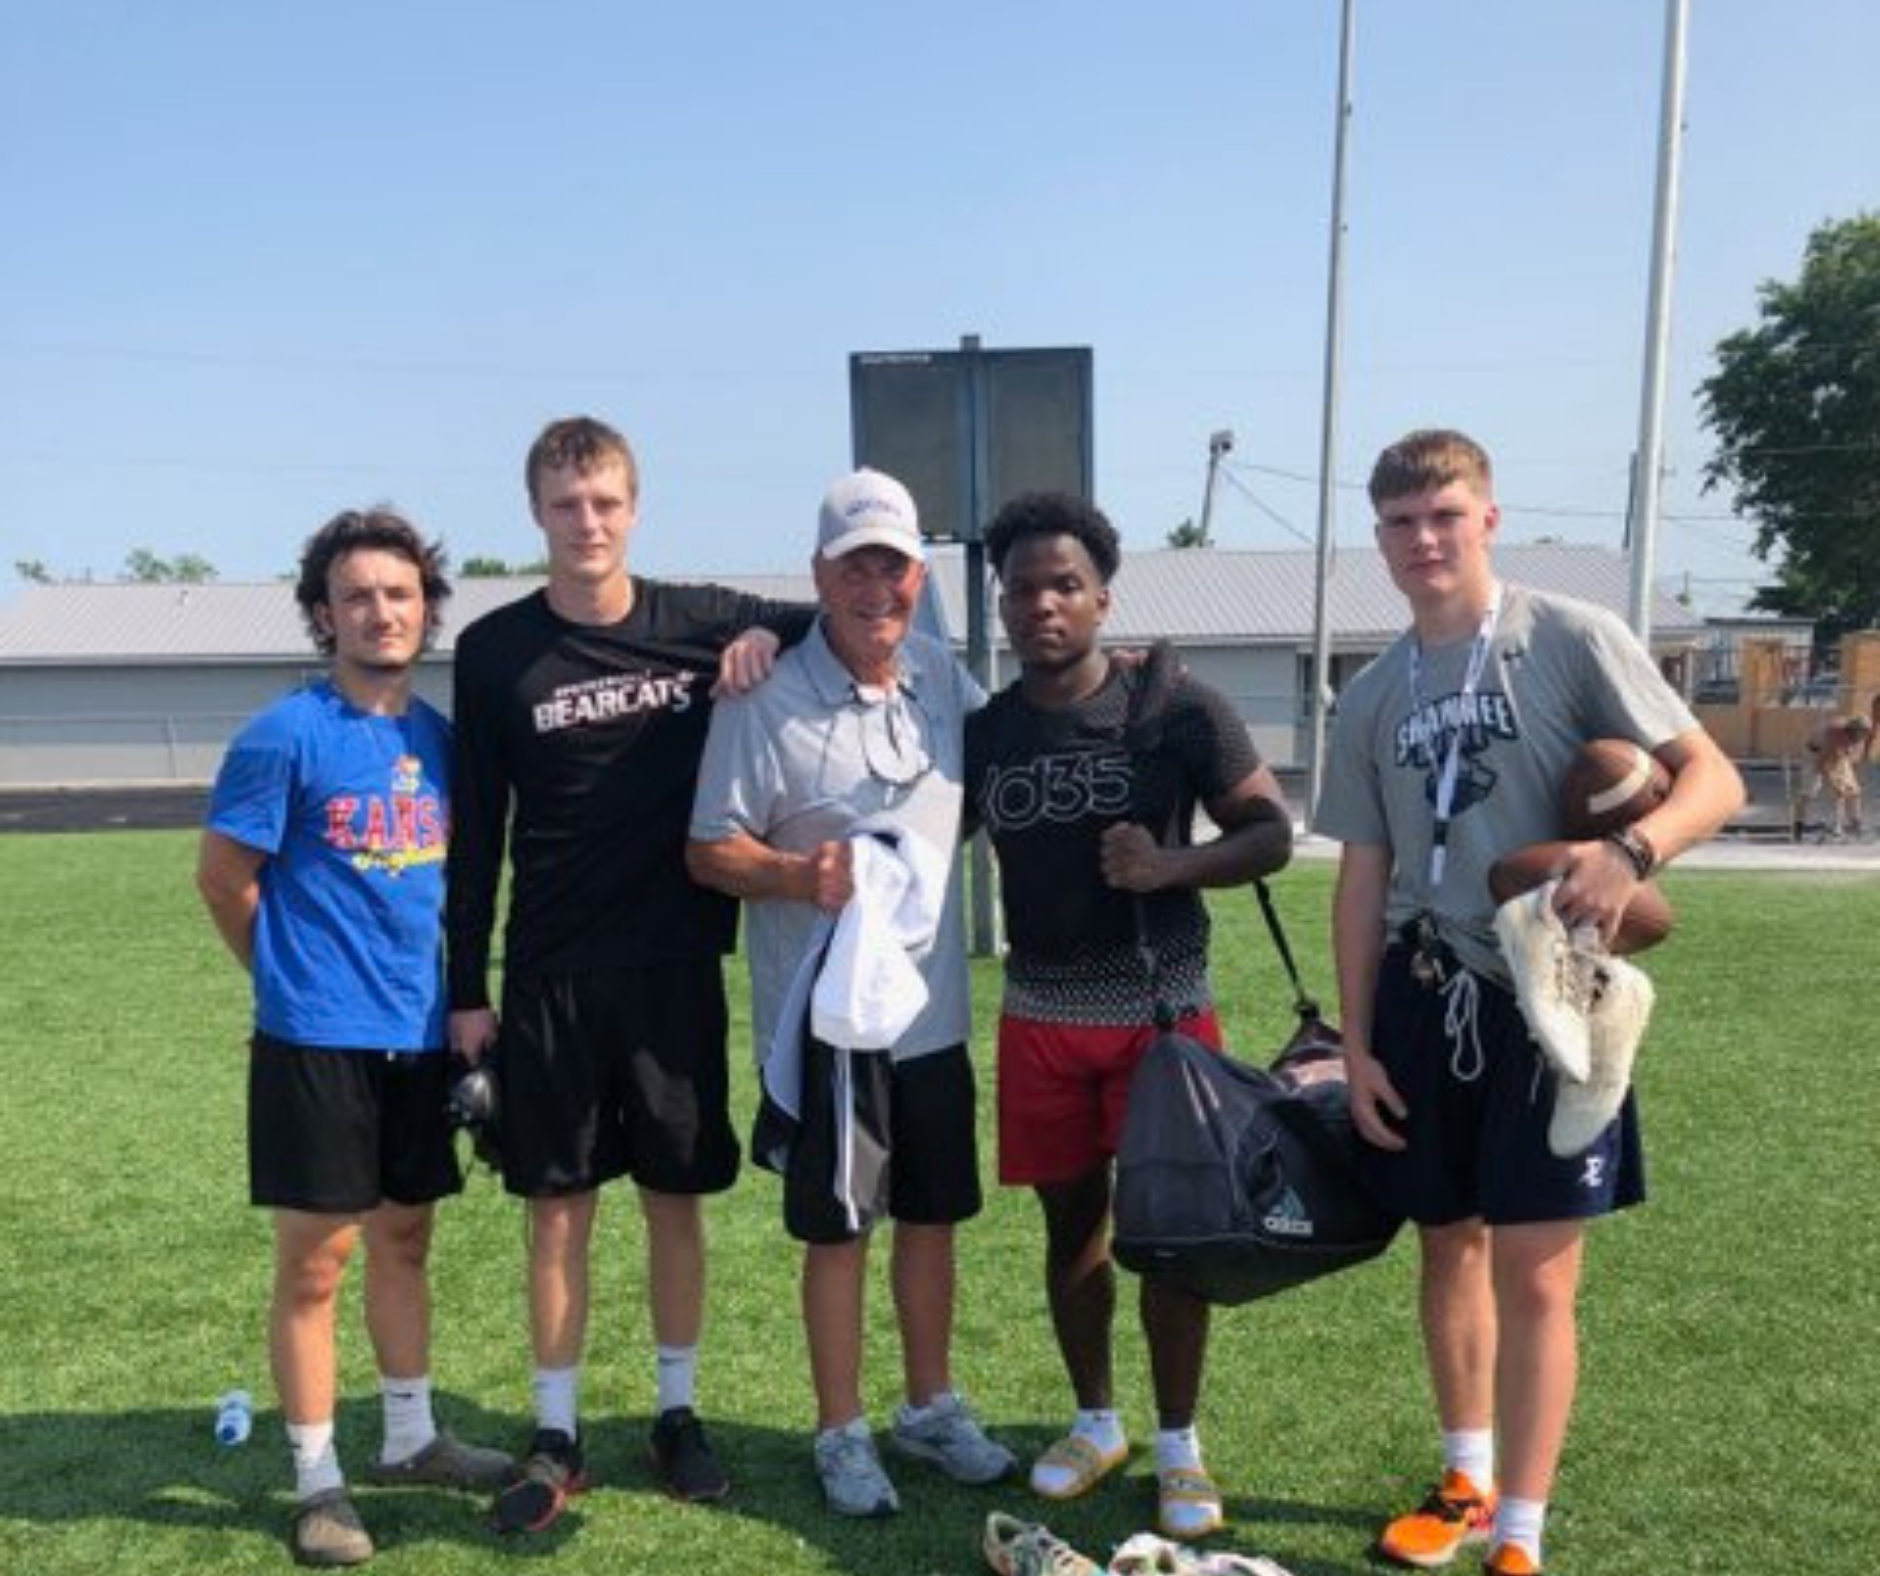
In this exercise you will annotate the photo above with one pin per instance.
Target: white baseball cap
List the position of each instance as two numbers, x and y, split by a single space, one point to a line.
868 509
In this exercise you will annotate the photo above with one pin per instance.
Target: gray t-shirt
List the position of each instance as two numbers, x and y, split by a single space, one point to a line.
808 755
1559 672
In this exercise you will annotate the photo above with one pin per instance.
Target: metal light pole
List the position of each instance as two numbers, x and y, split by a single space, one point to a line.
1650 463
1328 425
1218 444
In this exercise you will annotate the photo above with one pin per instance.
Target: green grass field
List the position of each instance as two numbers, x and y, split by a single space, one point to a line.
1730 1363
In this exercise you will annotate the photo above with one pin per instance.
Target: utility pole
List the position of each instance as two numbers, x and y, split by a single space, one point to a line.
1219 443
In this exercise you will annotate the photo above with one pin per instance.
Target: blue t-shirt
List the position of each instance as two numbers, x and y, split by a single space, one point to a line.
353 812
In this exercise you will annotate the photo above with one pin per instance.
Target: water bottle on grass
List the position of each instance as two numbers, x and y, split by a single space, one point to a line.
234 1418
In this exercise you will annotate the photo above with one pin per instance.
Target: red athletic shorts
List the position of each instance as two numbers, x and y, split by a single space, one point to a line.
1063 1088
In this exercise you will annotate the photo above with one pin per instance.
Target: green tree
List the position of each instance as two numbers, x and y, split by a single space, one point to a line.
1187 534
142 565
1795 408
33 571
485 567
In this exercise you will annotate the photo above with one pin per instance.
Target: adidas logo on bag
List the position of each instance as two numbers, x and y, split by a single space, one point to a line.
1288 1217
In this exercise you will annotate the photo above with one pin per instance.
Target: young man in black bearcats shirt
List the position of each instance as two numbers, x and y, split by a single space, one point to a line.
580 716
1086 829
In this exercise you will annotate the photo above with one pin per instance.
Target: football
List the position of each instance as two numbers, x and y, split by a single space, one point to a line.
1610 784
1647 918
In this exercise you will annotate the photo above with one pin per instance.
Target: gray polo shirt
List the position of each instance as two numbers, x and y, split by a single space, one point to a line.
809 754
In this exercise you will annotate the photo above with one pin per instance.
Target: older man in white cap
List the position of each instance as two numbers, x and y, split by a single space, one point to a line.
829 800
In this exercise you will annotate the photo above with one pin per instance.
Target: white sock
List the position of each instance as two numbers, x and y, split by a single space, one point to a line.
677 1376
557 1396
1471 1451
1102 1426
316 1462
409 1425
1177 1447
1519 1521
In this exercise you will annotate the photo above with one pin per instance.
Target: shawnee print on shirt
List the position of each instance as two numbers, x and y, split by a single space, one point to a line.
353 811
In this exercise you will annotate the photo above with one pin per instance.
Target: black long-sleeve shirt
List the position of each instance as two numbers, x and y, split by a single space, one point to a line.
591 736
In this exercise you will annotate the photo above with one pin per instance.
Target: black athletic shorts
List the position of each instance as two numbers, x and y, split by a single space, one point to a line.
616 1073
339 1132
1481 1098
923 1112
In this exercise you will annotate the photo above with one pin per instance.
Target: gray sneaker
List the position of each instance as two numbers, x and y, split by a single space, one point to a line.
946 1434
1584 1108
327 1532
852 1480
447 1462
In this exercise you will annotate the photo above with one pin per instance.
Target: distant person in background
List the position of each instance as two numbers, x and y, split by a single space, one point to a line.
1840 749
323 870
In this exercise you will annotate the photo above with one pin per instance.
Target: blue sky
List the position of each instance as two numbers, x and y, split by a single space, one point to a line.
265 261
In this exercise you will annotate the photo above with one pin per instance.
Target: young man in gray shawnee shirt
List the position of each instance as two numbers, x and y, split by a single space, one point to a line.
1448 753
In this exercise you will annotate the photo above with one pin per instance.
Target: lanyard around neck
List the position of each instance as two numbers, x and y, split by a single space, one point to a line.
1452 761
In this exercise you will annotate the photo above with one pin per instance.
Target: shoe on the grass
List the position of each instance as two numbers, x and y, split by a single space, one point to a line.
1621 1010
447 1462
1024 1548
853 1482
1455 1516
1072 1467
326 1531
1510 1559
945 1434
552 1473
683 1459
1187 1503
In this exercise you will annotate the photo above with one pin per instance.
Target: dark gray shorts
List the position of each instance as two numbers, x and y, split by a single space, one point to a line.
339 1132
919 1116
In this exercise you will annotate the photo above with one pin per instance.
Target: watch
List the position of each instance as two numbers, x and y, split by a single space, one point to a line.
1637 848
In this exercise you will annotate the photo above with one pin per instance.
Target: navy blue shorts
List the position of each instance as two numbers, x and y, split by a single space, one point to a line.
340 1132
619 1072
1477 1127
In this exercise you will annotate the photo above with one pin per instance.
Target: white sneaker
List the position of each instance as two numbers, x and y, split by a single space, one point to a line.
1622 1007
1553 979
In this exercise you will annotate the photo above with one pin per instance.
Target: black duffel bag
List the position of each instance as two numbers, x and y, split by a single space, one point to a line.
1235 1182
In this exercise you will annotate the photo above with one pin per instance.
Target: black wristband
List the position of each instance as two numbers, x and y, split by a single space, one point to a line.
1637 849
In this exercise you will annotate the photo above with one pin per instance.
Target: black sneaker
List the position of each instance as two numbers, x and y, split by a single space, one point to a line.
552 1474
683 1460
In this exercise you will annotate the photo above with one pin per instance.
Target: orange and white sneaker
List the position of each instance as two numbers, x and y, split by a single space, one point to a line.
1510 1559
1456 1515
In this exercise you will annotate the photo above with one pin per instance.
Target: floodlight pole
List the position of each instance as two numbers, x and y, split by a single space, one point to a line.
1650 463
1219 443
1328 426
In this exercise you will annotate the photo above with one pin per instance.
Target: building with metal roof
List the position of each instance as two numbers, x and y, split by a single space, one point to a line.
122 682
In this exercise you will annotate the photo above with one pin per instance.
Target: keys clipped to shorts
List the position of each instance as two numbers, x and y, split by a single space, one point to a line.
1429 958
